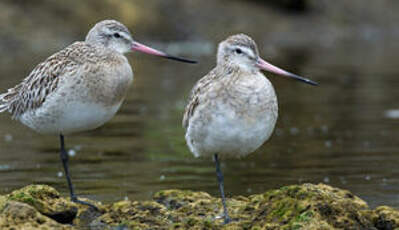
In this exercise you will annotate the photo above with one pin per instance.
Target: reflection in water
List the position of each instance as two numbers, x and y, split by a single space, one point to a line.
339 133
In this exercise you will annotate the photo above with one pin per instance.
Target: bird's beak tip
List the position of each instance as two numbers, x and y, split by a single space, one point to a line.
262 64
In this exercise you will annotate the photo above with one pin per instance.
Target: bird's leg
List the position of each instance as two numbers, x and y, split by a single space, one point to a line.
65 158
221 188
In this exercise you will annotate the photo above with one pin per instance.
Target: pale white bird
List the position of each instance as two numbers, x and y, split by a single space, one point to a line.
232 111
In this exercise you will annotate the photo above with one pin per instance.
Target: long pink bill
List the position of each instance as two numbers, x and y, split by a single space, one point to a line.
262 64
148 50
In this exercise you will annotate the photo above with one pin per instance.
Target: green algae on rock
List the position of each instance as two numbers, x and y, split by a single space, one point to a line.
385 217
308 206
3 201
16 215
134 215
47 201
304 206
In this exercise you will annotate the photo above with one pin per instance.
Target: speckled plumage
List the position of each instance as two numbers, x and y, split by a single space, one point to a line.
87 72
233 109
78 88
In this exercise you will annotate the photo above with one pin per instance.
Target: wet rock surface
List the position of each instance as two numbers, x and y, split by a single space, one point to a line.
47 201
306 206
17 215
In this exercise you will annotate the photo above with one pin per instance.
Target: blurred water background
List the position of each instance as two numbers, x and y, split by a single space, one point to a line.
344 133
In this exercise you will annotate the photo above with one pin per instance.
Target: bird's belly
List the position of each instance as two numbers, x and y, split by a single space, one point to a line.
69 118
79 104
229 134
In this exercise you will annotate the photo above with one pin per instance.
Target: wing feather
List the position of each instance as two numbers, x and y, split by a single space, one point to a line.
32 92
196 95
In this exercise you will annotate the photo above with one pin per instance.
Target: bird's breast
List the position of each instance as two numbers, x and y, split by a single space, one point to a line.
233 119
251 98
109 84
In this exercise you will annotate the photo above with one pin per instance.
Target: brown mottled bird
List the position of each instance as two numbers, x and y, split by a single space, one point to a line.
78 88
232 111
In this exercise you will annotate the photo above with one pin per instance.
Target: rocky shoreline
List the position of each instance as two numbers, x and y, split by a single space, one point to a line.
305 206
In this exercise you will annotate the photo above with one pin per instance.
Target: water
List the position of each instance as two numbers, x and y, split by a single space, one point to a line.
338 133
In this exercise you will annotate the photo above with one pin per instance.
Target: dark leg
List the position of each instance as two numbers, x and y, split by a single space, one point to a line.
221 188
65 159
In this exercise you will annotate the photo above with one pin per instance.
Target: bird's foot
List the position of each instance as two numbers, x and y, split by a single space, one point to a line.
227 219
92 206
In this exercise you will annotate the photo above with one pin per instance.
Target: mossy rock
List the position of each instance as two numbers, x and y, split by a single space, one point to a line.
134 214
47 201
385 217
17 215
306 206
3 201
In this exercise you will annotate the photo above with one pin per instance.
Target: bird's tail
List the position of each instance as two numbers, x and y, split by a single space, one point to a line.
3 102
8 99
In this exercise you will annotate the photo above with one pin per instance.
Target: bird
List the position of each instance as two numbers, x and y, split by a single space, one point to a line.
78 88
233 109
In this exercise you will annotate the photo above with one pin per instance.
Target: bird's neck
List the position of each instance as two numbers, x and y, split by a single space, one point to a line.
233 69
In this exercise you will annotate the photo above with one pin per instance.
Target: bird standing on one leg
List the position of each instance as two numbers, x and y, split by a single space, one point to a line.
232 111
78 88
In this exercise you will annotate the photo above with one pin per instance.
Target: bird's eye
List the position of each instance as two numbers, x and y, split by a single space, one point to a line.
117 35
238 51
